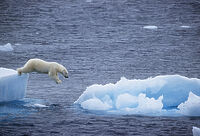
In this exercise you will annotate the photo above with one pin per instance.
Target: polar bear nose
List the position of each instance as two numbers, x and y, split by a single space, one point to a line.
66 76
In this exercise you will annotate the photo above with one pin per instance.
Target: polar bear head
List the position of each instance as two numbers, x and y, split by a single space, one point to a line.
63 71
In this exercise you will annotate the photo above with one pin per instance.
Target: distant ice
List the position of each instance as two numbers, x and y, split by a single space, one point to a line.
185 26
6 47
161 95
150 27
12 86
88 1
40 105
18 44
196 131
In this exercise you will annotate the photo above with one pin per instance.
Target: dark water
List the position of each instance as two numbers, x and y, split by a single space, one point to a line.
99 42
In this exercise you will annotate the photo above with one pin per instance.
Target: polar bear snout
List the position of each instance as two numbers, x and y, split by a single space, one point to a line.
65 73
66 76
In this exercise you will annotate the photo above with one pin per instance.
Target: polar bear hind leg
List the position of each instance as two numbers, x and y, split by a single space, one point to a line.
24 70
19 71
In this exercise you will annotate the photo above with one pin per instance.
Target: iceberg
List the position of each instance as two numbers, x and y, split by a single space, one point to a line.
196 131
12 86
161 95
6 47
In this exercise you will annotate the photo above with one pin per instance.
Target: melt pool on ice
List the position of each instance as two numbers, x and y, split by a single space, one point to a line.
12 86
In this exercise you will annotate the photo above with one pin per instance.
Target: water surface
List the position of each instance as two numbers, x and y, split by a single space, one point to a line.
99 41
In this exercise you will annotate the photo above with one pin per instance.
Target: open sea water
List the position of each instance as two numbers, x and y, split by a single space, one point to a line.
99 41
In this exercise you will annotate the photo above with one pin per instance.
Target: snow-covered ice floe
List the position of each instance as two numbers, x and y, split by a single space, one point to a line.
170 95
150 27
196 131
12 86
6 47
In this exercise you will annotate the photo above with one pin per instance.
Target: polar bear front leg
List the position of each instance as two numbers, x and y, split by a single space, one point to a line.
58 81
53 75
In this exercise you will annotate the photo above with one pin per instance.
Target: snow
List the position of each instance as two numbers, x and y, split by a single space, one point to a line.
196 131
6 72
95 104
191 106
12 86
161 95
6 47
126 100
149 105
150 27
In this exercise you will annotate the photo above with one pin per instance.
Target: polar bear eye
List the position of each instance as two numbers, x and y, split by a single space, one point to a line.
64 72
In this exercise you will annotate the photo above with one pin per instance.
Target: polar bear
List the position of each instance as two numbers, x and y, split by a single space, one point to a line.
41 66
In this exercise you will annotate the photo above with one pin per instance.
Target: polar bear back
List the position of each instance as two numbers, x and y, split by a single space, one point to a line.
41 66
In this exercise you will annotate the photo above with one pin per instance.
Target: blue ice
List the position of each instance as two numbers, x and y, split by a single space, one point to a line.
12 86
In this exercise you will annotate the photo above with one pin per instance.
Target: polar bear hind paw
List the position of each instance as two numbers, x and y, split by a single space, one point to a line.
19 72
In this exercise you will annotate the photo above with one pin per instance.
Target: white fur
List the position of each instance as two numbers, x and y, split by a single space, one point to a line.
41 66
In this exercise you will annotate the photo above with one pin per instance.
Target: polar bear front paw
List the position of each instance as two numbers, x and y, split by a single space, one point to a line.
58 81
